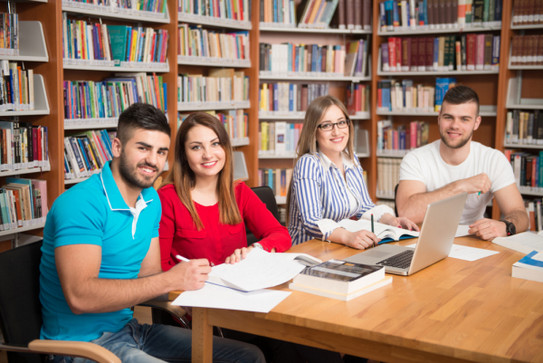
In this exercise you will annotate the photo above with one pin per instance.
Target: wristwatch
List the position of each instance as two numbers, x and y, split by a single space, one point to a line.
509 227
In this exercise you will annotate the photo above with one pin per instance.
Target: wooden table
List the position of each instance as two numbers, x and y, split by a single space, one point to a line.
454 310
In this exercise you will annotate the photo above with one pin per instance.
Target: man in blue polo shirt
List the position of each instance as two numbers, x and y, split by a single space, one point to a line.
101 255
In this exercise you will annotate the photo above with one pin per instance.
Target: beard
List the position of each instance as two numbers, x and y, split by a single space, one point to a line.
459 143
131 175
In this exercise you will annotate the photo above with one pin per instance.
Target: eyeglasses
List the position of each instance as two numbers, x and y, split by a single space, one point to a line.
328 126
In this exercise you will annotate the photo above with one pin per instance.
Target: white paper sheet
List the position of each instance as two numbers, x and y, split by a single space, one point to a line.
524 242
462 230
467 253
259 270
212 296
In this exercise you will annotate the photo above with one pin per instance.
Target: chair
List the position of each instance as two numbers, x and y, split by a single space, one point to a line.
265 193
20 312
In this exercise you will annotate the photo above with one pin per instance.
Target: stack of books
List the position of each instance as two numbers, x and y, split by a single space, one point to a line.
340 280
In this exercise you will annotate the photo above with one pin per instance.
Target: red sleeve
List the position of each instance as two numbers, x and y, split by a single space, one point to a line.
167 226
260 221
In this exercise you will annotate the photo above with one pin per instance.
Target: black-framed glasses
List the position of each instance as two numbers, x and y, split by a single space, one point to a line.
328 126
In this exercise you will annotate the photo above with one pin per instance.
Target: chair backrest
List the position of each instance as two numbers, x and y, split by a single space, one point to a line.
20 308
265 193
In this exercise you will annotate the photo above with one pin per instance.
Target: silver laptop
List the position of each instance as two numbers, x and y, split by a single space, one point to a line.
434 242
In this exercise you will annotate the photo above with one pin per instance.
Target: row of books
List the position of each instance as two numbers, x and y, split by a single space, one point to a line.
155 6
278 11
222 85
199 42
278 138
527 12
224 9
116 43
524 127
405 96
110 97
527 167
23 145
86 153
357 98
354 14
317 13
527 49
465 52
9 33
236 122
405 14
16 87
284 97
356 58
388 175
289 57
23 203
277 179
534 208
401 137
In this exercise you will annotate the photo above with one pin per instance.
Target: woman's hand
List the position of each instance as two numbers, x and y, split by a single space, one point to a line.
238 255
400 222
360 240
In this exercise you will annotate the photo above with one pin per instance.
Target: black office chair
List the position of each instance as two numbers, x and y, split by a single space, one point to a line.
265 193
20 313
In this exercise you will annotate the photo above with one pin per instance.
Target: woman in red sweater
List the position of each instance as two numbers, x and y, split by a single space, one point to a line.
204 212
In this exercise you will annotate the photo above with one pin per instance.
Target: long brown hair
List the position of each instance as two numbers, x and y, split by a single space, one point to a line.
308 137
184 180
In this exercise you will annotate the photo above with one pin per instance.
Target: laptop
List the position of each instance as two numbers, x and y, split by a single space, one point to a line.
434 242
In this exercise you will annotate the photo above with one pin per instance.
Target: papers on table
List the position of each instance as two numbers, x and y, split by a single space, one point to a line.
524 242
259 270
467 253
241 286
213 296
462 230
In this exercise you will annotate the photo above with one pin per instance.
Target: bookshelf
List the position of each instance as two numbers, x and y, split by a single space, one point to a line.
291 75
518 86
521 105
431 49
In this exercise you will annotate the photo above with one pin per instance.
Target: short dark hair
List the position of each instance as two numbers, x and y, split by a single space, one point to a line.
141 116
461 94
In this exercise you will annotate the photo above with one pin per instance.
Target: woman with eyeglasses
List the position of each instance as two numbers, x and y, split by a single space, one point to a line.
328 182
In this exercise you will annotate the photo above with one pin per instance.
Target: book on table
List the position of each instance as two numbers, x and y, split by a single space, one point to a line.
340 279
530 267
383 231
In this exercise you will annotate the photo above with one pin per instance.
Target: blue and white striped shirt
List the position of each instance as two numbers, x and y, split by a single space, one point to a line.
319 191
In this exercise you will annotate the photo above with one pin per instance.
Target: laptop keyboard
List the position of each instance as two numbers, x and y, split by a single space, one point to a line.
401 260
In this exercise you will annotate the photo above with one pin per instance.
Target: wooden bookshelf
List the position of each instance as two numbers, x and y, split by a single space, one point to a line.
45 56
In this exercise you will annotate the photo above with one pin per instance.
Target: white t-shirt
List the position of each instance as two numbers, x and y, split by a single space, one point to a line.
426 165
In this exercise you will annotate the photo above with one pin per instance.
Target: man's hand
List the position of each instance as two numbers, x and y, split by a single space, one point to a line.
478 183
190 275
488 229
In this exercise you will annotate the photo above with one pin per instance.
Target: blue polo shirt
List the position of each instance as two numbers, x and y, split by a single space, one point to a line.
94 212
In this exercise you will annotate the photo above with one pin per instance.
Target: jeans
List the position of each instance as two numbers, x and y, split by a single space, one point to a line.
137 343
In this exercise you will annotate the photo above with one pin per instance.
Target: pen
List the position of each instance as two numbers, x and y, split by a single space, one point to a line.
181 258
184 259
479 193
372 228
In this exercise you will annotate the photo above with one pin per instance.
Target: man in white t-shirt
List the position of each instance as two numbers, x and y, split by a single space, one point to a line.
457 164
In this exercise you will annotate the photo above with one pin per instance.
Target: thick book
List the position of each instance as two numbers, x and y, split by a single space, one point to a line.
339 279
385 232
530 267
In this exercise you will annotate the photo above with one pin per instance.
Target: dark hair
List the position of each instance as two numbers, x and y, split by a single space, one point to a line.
461 94
141 116
183 178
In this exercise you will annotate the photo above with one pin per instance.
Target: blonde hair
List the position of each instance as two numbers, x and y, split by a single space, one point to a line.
184 180
307 144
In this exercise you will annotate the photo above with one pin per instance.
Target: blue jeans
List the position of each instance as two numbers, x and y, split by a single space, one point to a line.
137 343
